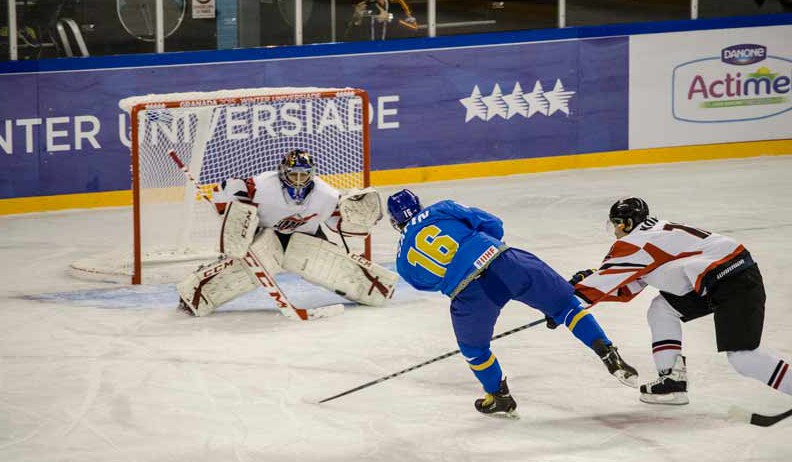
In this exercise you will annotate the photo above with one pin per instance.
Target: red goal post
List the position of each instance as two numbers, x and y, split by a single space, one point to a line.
222 134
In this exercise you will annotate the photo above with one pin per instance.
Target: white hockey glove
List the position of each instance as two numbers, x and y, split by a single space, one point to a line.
360 210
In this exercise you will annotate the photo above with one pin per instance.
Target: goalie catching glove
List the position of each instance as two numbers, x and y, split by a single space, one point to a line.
360 210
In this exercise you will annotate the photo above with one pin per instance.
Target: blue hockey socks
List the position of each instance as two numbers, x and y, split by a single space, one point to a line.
581 323
484 365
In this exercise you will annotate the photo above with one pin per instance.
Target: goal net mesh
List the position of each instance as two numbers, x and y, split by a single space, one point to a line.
219 135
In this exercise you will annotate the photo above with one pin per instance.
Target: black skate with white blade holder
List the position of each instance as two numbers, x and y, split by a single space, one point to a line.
670 387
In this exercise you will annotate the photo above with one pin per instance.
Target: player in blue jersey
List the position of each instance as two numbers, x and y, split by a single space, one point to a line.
458 251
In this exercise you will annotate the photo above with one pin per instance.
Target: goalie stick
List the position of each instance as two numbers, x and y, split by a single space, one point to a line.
426 363
266 280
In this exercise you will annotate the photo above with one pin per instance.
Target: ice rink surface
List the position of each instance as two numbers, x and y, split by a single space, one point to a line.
98 372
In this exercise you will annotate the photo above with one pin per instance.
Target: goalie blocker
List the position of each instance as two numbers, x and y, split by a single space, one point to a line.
316 260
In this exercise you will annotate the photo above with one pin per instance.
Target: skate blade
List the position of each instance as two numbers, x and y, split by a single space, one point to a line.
674 399
631 381
512 415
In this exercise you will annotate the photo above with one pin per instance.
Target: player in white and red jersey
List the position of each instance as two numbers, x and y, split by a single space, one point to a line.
697 273
272 223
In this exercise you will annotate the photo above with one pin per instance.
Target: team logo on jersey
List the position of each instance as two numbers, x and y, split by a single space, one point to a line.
293 222
506 106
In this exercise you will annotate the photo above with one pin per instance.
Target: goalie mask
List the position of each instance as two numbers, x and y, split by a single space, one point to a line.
629 212
402 206
296 173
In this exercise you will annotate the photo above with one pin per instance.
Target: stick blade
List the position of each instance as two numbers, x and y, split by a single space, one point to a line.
737 414
768 420
325 311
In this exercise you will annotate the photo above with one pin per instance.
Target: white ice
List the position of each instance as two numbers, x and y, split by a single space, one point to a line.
97 372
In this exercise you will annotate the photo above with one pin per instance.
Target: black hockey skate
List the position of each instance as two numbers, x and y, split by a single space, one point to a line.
609 355
670 387
498 402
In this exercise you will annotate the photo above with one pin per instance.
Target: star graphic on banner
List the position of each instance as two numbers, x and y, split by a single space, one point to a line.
559 98
536 100
495 104
516 102
474 106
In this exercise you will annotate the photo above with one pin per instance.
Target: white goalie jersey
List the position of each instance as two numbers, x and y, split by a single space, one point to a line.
276 210
671 257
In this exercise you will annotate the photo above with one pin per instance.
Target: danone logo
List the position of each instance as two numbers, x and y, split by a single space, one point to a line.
743 83
743 55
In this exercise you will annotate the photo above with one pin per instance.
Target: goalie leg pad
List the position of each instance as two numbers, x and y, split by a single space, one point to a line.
351 276
268 250
214 284
239 229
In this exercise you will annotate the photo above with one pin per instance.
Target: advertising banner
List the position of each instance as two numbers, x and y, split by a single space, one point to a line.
63 133
710 87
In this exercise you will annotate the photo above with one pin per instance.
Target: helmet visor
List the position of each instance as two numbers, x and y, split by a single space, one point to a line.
298 177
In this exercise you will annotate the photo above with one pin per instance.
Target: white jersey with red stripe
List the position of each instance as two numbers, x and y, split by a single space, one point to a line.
276 209
668 256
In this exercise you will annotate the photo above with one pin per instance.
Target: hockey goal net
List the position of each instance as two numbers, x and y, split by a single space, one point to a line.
222 134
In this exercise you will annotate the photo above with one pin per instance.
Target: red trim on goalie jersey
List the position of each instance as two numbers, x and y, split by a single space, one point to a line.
245 196
251 189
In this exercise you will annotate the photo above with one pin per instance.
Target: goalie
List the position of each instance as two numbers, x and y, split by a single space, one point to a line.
271 224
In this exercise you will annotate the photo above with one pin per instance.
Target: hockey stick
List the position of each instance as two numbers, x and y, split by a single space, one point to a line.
741 415
262 275
426 363
768 420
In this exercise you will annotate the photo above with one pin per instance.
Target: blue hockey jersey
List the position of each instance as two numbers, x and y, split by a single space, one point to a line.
445 243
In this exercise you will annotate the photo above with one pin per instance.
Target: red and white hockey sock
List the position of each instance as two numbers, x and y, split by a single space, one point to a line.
763 365
665 352
781 379
666 327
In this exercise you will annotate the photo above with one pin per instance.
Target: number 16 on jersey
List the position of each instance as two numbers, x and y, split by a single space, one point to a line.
432 250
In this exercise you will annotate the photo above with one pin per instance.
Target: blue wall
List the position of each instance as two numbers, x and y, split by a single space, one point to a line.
448 100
